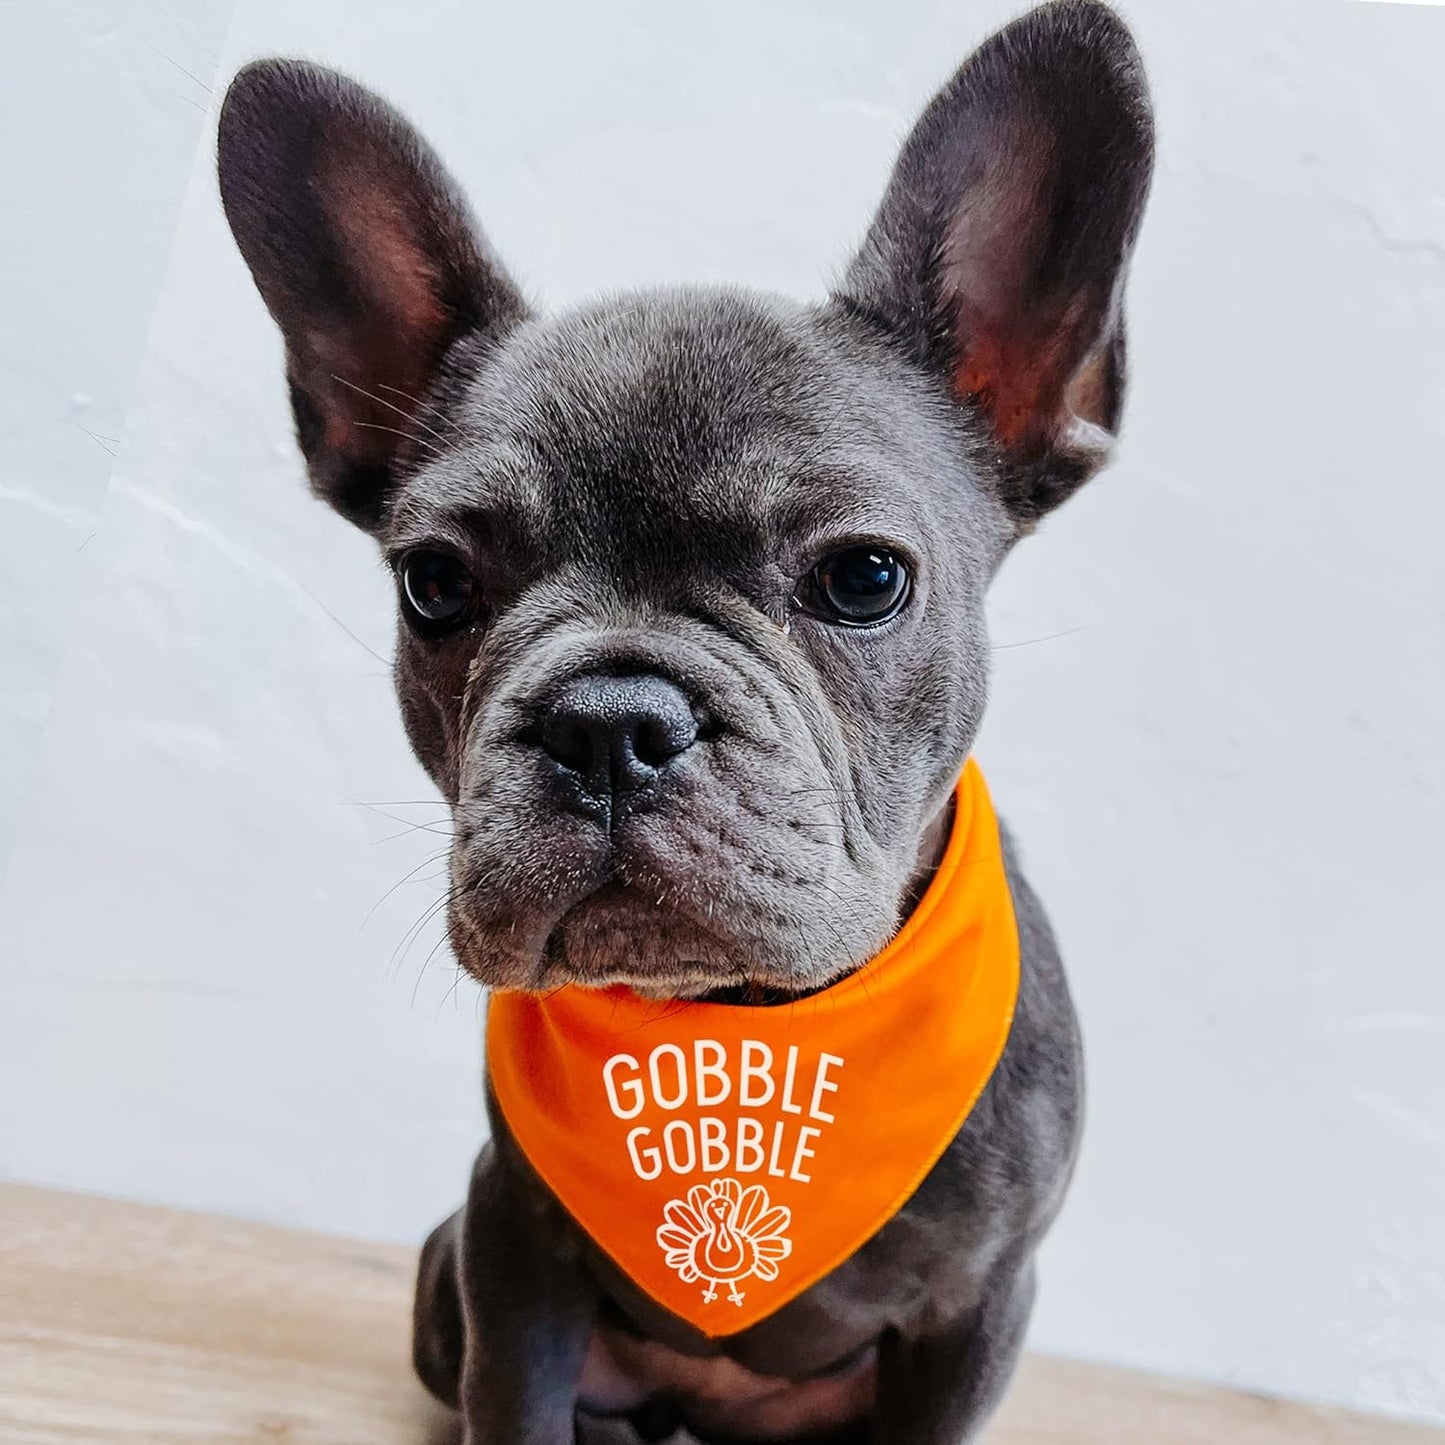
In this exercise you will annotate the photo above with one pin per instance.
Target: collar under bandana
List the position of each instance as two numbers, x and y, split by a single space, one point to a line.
728 1157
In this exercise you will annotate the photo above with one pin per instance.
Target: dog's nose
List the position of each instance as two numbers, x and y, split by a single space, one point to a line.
616 734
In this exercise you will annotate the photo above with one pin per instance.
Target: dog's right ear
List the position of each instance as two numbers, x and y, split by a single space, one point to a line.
366 256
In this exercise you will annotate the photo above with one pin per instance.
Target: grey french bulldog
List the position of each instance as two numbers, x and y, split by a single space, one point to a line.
691 589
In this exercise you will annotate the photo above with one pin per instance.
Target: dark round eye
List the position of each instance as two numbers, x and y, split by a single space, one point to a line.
438 591
861 586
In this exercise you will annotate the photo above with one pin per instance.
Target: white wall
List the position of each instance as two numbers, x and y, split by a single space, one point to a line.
1216 724
98 128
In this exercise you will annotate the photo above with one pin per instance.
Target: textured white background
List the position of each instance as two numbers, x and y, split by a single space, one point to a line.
1217 715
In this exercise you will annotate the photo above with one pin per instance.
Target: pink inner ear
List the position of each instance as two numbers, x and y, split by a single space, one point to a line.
1007 349
387 254
390 347
979 377
1014 383
1024 378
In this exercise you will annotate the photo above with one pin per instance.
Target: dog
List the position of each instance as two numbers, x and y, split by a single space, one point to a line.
692 639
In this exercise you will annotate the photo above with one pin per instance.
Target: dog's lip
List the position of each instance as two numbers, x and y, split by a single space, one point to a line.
692 979
682 977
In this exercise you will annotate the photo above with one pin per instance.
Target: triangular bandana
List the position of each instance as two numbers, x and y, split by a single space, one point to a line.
729 1157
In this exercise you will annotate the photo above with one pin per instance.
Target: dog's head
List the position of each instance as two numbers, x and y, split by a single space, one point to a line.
691 583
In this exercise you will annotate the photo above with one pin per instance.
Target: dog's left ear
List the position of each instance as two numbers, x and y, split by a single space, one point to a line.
998 255
368 259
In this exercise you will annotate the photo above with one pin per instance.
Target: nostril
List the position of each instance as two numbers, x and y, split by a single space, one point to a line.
662 735
566 740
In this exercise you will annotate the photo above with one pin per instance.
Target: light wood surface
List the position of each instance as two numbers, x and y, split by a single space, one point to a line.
128 1323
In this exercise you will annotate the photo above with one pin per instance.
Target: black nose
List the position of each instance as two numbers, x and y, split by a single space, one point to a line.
615 734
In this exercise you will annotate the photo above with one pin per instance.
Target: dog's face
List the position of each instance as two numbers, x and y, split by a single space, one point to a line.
723 649
691 583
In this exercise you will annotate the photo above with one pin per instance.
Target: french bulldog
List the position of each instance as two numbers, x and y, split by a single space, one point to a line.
691 592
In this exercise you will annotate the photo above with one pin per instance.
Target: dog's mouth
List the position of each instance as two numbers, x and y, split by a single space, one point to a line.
617 936
725 895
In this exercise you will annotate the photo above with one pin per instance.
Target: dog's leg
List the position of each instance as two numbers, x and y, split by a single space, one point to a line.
438 1330
528 1308
941 1389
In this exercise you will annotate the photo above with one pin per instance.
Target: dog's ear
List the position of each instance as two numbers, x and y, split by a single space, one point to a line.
997 257
366 256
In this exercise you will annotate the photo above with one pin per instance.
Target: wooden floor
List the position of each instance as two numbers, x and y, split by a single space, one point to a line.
127 1323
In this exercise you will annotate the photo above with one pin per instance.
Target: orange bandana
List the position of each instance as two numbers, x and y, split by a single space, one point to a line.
728 1157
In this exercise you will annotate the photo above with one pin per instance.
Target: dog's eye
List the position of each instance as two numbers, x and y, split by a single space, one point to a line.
861 586
438 591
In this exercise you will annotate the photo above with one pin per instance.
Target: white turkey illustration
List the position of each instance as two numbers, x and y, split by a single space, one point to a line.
722 1233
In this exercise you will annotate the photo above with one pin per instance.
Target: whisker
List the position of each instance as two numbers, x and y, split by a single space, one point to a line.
1030 641
365 647
397 803
417 402
380 810
391 405
397 432
426 964
398 954
436 830
452 993
405 878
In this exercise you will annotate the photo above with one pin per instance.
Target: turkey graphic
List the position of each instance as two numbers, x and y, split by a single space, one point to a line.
723 1234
